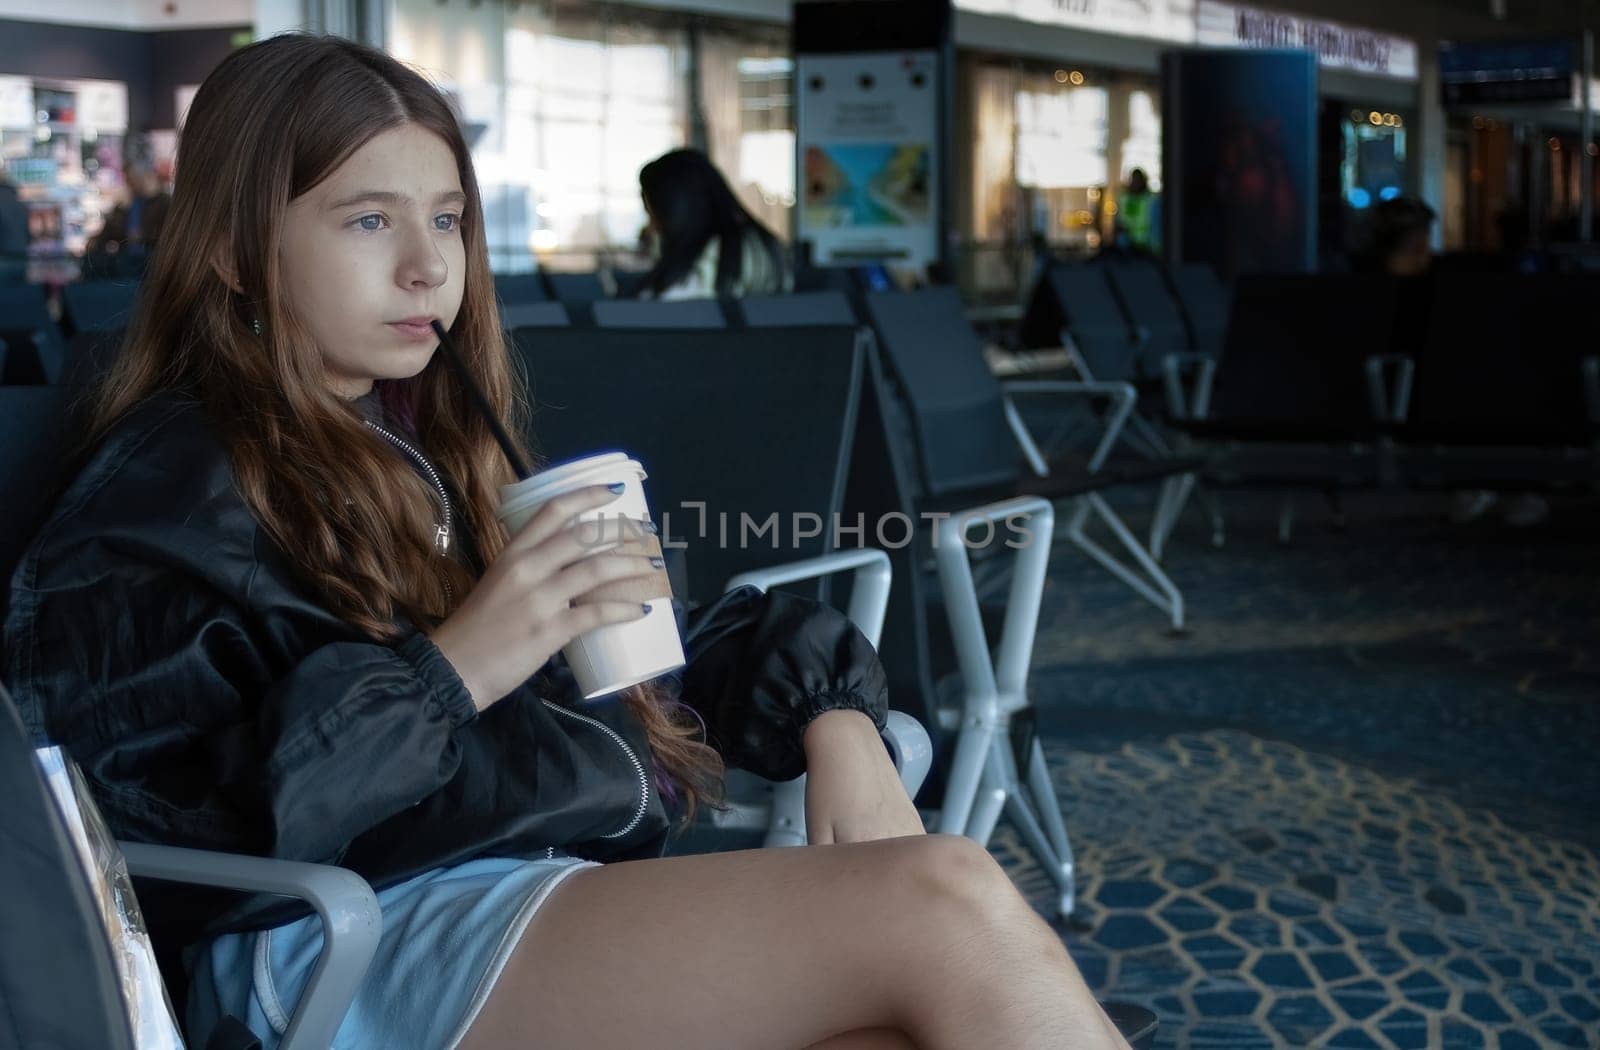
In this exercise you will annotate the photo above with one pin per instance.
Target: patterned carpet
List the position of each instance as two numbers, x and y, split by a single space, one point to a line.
1354 806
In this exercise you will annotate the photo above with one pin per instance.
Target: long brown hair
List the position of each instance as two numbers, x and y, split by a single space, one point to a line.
271 122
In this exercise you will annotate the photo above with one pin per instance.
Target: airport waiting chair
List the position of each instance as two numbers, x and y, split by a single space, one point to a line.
532 315
1504 398
1154 314
1205 305
975 461
35 352
710 414
514 289
578 292
798 310
1296 400
650 313
98 306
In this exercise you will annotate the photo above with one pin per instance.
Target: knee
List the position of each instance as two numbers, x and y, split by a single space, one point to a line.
956 880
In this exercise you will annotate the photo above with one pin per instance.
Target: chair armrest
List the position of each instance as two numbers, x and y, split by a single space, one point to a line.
351 921
1590 369
912 748
1123 397
1195 404
869 597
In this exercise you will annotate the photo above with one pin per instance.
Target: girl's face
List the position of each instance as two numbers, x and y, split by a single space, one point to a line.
373 253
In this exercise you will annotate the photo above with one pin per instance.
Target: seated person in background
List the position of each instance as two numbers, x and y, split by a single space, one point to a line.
134 226
707 244
1401 245
1399 238
276 613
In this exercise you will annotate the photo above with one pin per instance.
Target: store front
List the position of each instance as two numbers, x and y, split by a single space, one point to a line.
1057 141
79 106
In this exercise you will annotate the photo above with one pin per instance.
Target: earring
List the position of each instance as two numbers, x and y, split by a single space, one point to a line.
255 325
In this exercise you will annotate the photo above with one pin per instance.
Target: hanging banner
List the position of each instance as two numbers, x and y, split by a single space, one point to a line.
1171 20
1337 46
869 157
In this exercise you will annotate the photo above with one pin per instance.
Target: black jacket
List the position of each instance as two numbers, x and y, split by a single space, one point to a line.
165 641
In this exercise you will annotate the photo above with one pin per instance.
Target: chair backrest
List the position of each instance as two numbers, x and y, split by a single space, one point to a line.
1498 365
955 402
33 434
575 289
516 288
1295 357
628 282
1079 300
736 423
1150 305
34 342
799 309
649 313
1205 302
57 975
97 306
533 315
21 304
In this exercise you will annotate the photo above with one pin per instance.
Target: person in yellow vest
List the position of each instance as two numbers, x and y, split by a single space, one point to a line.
1139 214
1138 224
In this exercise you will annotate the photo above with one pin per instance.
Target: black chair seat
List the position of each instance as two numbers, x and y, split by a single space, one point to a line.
1278 431
1065 481
1507 469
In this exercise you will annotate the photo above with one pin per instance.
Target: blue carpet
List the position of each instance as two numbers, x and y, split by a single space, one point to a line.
1354 806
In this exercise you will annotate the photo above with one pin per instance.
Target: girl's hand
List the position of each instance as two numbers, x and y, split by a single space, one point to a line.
540 594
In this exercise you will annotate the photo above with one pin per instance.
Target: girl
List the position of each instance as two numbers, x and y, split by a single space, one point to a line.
275 614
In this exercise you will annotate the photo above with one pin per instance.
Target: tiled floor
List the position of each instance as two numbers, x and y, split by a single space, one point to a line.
1355 807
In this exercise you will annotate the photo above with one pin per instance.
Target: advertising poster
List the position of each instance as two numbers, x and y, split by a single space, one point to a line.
868 156
1240 162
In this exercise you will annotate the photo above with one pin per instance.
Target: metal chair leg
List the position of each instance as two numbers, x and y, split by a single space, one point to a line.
1159 591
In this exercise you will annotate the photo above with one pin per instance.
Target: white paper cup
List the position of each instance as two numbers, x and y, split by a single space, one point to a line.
618 655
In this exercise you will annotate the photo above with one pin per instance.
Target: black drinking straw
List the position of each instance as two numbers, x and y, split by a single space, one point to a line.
480 402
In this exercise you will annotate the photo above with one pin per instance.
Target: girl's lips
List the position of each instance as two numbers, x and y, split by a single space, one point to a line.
413 330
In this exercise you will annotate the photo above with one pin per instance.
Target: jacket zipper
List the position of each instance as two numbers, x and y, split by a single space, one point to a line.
442 534
443 540
638 767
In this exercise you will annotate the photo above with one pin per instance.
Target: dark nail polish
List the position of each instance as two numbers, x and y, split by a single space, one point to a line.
658 563
646 607
650 527
619 487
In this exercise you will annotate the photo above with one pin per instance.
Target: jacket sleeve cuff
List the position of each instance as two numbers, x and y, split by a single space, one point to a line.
445 687
809 708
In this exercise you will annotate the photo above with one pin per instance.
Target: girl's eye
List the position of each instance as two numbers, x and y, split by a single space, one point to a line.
370 223
447 223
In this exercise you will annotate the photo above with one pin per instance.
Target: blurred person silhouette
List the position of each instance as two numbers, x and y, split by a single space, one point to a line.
705 243
133 227
13 234
1138 219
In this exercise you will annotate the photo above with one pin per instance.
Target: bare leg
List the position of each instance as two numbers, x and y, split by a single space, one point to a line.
873 1039
780 949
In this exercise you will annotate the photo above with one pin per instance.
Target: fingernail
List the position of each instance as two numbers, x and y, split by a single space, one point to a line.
619 487
650 527
646 607
658 563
